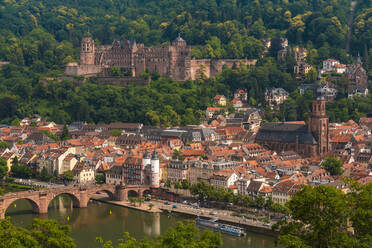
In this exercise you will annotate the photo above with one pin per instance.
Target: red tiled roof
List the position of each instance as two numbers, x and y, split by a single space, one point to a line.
217 97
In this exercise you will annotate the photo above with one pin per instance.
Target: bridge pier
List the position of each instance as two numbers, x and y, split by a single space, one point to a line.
121 193
83 198
43 203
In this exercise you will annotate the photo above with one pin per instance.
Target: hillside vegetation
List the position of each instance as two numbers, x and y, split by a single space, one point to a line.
38 38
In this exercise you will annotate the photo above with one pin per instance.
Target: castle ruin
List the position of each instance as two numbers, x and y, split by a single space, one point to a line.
172 61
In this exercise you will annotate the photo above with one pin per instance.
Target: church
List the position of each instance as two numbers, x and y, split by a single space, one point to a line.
308 140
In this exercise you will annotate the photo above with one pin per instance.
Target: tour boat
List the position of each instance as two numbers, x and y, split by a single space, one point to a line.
216 226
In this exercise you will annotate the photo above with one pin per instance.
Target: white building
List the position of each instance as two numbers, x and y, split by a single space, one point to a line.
224 178
276 96
83 173
333 65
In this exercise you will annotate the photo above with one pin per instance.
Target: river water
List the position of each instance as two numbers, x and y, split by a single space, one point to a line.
110 222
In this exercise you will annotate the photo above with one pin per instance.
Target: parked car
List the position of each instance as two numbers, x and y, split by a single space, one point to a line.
174 206
166 203
266 224
213 213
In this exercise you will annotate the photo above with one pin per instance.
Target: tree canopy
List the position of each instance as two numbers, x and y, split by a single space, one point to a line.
332 165
324 215
40 233
39 38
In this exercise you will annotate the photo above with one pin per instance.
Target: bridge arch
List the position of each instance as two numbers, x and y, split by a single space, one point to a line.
146 192
109 192
75 199
35 205
133 193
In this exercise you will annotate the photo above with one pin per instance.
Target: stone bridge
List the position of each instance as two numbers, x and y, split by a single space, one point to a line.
80 196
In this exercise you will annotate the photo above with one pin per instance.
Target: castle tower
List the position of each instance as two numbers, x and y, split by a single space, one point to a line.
87 51
179 42
318 125
155 170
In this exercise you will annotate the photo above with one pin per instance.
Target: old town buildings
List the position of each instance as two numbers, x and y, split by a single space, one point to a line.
275 160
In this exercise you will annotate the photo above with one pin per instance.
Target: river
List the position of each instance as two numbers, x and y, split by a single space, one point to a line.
96 221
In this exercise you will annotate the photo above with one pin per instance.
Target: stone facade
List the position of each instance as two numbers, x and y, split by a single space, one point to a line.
172 61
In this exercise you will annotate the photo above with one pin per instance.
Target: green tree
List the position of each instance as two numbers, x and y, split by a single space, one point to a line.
177 185
44 175
41 233
21 171
50 234
332 165
183 235
132 200
101 178
15 123
65 133
168 183
361 217
3 145
3 169
177 155
185 184
151 205
319 213
115 132
116 71
68 175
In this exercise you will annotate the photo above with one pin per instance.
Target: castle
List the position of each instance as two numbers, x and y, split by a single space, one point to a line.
133 58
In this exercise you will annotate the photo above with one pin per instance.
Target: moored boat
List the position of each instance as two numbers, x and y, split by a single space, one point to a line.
216 226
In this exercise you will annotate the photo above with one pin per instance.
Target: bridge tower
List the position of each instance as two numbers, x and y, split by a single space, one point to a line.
155 170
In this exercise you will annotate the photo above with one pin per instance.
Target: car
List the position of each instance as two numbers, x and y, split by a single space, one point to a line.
147 199
184 202
98 192
266 224
213 213
166 203
174 206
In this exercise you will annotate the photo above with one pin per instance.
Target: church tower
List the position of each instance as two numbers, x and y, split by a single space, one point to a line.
87 51
318 124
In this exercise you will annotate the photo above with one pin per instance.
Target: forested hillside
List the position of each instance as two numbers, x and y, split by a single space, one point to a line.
38 37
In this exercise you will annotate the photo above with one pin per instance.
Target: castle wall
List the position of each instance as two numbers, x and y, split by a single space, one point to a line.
215 66
86 70
120 81
156 59
195 65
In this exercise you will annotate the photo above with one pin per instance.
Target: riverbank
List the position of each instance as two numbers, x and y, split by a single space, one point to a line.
144 207
223 216
249 225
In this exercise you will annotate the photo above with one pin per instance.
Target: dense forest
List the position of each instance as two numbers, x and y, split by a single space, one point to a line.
38 38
